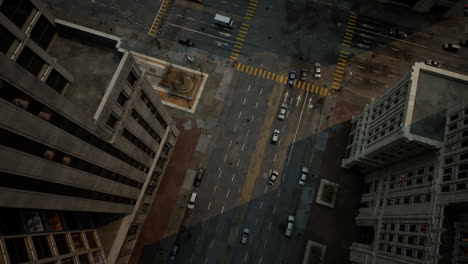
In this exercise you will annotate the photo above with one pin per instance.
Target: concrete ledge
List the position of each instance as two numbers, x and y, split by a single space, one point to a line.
327 188
314 253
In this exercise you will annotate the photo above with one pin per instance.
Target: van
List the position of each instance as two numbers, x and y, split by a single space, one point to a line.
223 21
191 203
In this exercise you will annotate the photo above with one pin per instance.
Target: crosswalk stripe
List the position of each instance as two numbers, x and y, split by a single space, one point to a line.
242 31
268 76
336 83
339 71
250 10
347 41
241 39
346 45
256 70
264 74
316 89
238 66
304 85
248 17
241 35
251 70
233 58
353 16
341 63
235 54
350 27
236 50
343 60
308 86
348 34
347 37
252 4
260 73
247 68
335 87
337 79
248 14
244 28
242 69
340 68
352 20
245 25
338 75
349 30
343 56
351 23
273 76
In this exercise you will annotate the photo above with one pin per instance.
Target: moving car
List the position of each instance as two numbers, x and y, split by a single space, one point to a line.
223 21
191 203
304 174
303 76
245 236
291 77
186 42
273 177
198 177
173 252
290 226
433 63
398 33
282 112
451 47
318 70
275 136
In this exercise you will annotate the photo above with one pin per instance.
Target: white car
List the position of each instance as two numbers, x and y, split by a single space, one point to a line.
275 136
318 70
304 174
282 112
245 236
433 63
273 177
290 226
191 202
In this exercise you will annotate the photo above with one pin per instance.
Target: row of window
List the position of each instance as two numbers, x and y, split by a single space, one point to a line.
454 137
411 182
454 187
456 158
20 99
385 128
423 198
137 142
449 174
396 98
145 125
153 109
409 174
412 240
17 11
15 141
422 228
412 253
458 115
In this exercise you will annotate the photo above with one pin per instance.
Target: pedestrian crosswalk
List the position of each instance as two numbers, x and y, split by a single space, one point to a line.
243 30
350 27
281 78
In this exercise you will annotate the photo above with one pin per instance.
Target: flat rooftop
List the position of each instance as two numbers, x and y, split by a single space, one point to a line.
436 91
92 64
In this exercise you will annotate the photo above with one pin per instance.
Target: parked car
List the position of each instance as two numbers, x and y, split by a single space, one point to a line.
291 77
464 43
303 76
186 42
275 136
318 70
173 252
245 236
433 63
290 226
273 177
465 10
282 112
451 47
304 174
198 177
191 203
398 33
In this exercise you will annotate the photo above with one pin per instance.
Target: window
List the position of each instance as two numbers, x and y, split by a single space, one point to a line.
33 221
122 99
452 127
111 121
389 248
17 249
406 200
49 154
409 252
453 117
461 186
422 241
398 251
84 259
448 160
445 188
419 254
419 180
411 240
412 228
30 61
423 228
43 32
420 171
62 244
464 156
451 139
462 175
91 239
392 227
400 239
137 142
17 10
42 246
56 81
132 230
397 201
132 78
408 183
416 199
77 241
402 227
390 238
6 39
53 221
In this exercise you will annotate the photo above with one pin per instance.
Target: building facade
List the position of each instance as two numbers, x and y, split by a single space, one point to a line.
412 145
84 141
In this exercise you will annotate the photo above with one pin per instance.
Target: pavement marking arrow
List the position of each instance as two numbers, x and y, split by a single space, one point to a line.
298 100
286 96
310 106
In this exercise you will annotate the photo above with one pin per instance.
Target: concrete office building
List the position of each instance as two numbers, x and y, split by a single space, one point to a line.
84 141
412 145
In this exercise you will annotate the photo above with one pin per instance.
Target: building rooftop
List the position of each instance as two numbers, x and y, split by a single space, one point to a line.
433 90
91 59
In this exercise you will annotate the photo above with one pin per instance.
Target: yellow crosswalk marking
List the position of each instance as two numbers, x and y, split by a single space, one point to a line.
351 23
241 35
338 75
268 77
264 74
237 47
238 66
343 56
247 68
273 76
347 37
248 17
250 10
316 89
256 70
339 71
349 30
347 41
251 70
308 87
346 45
236 50
249 14
352 20
341 63
241 39
335 87
351 27
304 85
244 28
336 83
233 58
337 79
235 54
252 4
343 60
242 31
260 73
242 68
340 68
348 34
245 25
353 16
294 83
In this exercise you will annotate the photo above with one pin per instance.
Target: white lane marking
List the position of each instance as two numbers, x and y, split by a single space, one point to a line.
202 33
235 5
209 205
246 254
264 245
375 71
269 227
261 90
189 18
260 261
227 194
279 142
243 145
233 176
357 77
224 2
206 260
238 161
297 128
214 189
360 67
274 159
222 210
256 221
225 157
219 174
235 128
179 15
211 245
292 99
245 99
411 53
266 187
252 119
217 227
230 143
240 114
248 88
203 223
274 210
261 204
404 41
395 49
374 82
279 193
284 126
256 105
248 130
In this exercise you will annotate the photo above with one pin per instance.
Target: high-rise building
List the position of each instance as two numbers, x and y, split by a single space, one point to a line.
84 141
412 145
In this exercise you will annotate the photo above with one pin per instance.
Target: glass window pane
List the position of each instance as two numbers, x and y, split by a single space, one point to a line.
62 244
53 221
33 221
42 246
17 250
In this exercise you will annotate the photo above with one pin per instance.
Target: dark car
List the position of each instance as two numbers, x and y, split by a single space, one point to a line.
186 42
173 252
398 33
464 43
451 47
291 77
198 178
